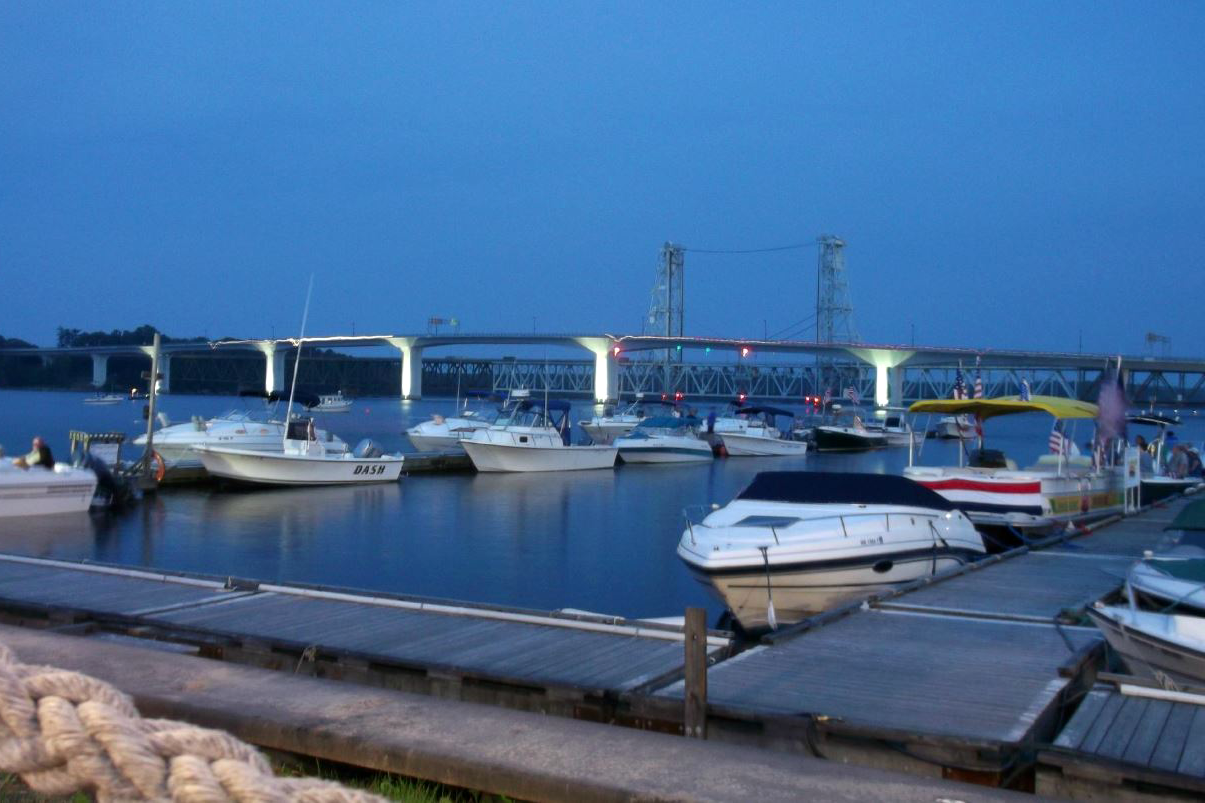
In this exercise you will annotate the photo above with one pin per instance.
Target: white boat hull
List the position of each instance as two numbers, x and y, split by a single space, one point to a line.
261 468
743 444
1169 649
38 492
605 433
664 450
519 457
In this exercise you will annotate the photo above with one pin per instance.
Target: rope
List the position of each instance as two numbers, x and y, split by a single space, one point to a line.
64 732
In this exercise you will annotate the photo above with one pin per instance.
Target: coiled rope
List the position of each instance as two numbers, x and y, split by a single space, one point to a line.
63 732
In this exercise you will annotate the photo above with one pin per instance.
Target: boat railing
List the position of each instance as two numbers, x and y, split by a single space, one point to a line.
692 523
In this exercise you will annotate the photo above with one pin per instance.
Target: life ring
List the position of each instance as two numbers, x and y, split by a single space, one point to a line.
160 466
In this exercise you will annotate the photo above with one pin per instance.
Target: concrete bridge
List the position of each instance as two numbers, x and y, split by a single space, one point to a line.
884 365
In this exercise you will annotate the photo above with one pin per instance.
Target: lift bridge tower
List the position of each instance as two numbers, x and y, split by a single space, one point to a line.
667 306
834 315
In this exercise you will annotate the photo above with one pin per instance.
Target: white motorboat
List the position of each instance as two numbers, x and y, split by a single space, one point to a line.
1173 581
106 398
532 437
38 491
757 436
794 543
604 429
249 430
954 427
303 460
1166 647
1059 489
1157 483
444 434
332 403
665 439
893 425
854 436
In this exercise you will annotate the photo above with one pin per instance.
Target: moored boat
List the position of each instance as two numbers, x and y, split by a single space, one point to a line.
604 429
1168 648
37 491
754 434
794 543
664 440
444 433
534 436
853 436
333 403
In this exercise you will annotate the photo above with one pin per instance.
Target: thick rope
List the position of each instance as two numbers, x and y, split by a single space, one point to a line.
63 732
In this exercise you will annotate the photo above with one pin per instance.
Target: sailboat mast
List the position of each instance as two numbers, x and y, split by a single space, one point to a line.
297 361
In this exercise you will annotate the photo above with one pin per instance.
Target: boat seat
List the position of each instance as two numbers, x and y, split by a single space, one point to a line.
991 458
1048 461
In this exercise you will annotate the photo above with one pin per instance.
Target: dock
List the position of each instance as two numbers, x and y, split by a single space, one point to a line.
987 674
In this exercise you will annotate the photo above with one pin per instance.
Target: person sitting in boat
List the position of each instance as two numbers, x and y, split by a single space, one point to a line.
1177 467
39 456
1195 467
1145 464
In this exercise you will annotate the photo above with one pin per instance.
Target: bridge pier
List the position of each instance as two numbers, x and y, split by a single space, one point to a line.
274 371
412 367
888 376
606 368
100 370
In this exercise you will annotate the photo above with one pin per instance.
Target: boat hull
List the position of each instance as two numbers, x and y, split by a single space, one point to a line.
1155 489
260 468
661 450
38 492
1146 651
604 434
838 439
514 457
740 444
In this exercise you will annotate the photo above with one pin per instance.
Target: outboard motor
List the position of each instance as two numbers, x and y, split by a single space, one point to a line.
367 448
105 482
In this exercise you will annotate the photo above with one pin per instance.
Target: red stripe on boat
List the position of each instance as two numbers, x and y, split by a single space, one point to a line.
986 487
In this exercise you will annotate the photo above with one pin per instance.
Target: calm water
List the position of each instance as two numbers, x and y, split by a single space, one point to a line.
595 540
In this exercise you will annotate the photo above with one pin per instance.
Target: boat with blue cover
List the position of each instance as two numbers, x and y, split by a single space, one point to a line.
665 439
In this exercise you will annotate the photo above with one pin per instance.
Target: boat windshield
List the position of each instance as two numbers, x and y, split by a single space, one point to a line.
822 487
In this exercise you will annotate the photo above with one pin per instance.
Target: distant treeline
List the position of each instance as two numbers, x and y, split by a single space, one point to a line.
142 336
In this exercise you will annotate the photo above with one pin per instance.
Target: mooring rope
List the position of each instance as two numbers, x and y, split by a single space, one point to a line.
63 732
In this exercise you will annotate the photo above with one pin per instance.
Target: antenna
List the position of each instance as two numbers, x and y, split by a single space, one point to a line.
297 362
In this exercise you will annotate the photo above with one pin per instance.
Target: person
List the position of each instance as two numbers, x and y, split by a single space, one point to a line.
1177 467
1145 464
1195 468
39 456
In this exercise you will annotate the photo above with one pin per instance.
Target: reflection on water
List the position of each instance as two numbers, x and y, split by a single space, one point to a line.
595 540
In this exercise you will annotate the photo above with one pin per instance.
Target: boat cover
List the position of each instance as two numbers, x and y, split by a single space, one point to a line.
1056 406
1191 569
1190 517
668 422
842 488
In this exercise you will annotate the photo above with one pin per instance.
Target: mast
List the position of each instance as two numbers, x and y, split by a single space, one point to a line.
297 361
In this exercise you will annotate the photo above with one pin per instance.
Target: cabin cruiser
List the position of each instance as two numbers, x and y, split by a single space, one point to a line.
1059 489
752 433
534 436
1156 482
442 434
794 543
854 436
604 429
253 430
302 460
665 439
37 491
332 403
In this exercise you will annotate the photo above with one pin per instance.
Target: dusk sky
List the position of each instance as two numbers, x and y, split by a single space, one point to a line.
1004 174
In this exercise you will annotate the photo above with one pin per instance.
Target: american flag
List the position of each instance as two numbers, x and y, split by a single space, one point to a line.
1059 443
978 382
851 393
1025 395
960 387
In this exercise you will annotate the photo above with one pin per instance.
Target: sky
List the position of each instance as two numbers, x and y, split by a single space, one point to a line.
1005 175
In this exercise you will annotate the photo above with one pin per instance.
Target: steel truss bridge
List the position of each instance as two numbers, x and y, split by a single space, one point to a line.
621 365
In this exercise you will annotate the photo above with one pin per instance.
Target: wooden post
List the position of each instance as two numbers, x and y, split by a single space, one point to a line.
695 721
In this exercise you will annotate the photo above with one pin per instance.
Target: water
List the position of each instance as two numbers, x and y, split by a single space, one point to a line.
601 541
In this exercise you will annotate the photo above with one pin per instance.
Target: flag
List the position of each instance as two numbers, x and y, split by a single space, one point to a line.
978 381
1025 395
1111 405
851 393
960 388
1058 441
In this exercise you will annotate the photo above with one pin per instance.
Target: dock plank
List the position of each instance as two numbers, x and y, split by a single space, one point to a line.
1081 721
1192 760
1147 733
1170 747
1100 728
1123 728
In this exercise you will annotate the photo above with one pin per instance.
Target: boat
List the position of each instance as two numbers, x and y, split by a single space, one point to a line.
893 424
250 430
954 427
1156 484
1166 647
1060 489
534 436
303 460
604 429
754 434
1172 578
854 436
105 398
794 543
444 434
664 439
38 491
332 403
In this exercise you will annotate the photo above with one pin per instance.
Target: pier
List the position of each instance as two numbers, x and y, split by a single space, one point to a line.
988 674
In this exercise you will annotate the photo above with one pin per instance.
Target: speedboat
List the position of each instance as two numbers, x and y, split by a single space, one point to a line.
854 436
38 491
1166 647
303 460
893 425
604 429
1172 578
794 543
332 403
1059 489
957 427
251 430
442 434
664 439
754 434
534 436
1156 483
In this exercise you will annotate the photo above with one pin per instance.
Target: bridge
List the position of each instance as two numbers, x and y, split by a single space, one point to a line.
891 374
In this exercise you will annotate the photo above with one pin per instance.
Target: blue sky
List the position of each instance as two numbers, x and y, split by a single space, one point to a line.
1005 175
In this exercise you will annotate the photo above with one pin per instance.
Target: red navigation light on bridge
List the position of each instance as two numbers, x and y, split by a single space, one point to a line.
745 351
740 397
678 396
615 351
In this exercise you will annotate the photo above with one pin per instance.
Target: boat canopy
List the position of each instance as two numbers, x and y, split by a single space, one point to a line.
841 488
667 422
770 410
1190 517
1056 406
